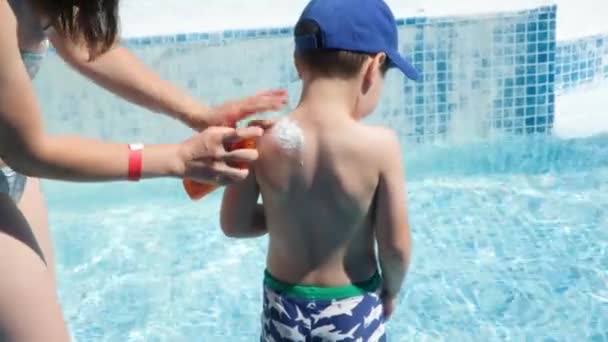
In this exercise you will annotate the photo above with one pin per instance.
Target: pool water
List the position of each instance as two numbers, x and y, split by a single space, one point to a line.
510 244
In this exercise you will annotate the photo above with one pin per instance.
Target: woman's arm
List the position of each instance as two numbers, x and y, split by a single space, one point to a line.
25 146
122 73
23 142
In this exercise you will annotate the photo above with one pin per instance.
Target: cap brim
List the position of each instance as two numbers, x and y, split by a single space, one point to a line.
402 64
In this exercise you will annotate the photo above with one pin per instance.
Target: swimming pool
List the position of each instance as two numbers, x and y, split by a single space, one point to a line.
508 220
510 244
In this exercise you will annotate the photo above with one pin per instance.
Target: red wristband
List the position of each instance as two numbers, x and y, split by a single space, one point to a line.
135 162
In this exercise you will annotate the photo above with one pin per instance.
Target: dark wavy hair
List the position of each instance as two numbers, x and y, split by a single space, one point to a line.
92 22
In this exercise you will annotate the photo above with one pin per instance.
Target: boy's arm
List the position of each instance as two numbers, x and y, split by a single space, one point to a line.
241 216
391 221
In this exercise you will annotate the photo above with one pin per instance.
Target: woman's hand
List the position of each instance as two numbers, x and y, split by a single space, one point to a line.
228 113
262 123
205 159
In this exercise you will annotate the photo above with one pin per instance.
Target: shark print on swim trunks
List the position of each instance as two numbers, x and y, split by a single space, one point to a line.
294 319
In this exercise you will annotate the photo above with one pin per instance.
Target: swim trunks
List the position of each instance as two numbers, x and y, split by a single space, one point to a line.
299 313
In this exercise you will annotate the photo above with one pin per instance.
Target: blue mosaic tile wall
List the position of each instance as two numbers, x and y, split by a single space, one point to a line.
581 62
484 76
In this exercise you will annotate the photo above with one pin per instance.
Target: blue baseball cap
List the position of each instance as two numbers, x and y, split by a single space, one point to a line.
366 26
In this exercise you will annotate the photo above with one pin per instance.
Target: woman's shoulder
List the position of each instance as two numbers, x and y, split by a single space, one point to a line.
8 19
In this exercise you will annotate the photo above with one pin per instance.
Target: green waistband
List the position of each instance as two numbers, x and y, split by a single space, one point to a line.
322 293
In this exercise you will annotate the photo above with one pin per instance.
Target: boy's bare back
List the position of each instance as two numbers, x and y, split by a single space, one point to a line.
332 188
320 197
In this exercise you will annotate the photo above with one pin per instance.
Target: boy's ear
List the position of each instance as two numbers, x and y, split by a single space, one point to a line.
371 68
379 60
368 76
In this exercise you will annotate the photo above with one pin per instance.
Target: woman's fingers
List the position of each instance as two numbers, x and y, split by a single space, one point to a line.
240 156
216 172
228 175
262 123
268 102
274 92
263 102
232 136
230 112
212 159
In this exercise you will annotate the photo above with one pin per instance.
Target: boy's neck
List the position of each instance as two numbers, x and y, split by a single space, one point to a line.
323 95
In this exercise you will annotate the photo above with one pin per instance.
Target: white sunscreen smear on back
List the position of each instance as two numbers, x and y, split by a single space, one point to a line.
288 134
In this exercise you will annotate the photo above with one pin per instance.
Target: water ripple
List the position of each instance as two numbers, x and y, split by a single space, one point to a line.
514 255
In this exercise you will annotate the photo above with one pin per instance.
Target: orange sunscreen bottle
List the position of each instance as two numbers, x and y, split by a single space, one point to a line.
197 190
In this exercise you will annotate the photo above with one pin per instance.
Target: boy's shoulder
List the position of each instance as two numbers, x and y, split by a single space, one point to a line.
380 136
281 133
380 143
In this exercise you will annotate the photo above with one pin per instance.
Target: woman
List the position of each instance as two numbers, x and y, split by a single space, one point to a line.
84 34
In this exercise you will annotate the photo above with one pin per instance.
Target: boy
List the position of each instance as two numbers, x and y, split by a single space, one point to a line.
331 186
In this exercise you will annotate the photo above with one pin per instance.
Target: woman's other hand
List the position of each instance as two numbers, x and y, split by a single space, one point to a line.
205 159
228 113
